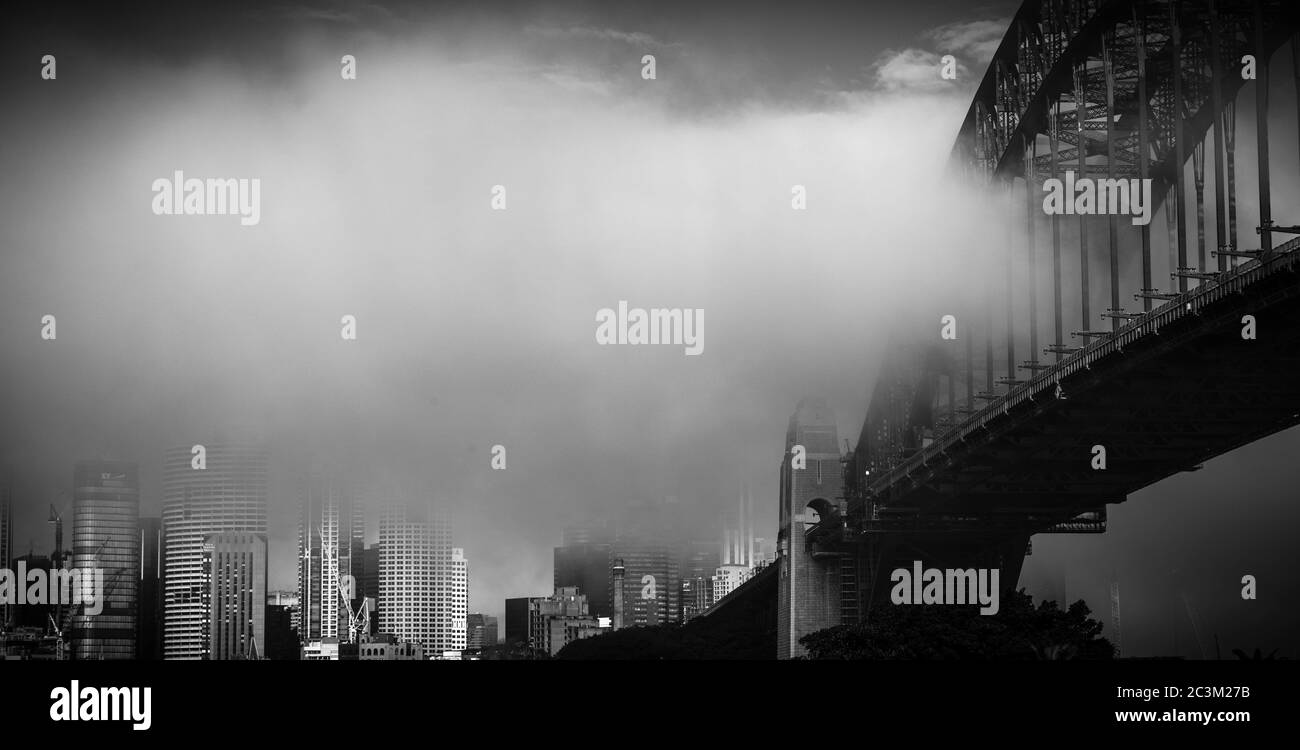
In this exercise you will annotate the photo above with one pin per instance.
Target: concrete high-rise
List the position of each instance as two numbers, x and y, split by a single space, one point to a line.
651 585
517 620
415 576
106 536
808 597
236 565
647 543
458 594
225 493
331 535
370 584
546 624
727 579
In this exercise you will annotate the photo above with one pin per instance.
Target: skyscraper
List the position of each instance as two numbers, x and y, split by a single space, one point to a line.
652 584
583 561
459 596
646 543
236 566
415 576
106 535
226 494
331 535
370 584
148 627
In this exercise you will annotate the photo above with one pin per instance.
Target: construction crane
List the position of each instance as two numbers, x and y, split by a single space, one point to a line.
60 644
359 619
56 559
56 518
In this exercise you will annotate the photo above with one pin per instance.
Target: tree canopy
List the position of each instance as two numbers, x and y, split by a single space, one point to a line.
1018 631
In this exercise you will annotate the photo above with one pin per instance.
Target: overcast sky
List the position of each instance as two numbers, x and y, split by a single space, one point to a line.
475 327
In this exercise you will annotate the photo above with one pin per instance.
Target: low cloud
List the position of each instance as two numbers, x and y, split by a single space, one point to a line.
918 69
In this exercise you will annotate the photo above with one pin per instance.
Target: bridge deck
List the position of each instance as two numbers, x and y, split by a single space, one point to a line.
1165 392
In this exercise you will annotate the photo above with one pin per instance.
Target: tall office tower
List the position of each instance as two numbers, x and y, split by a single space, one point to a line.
652 585
236 565
415 576
646 543
331 535
370 584
370 571
808 596
517 620
582 561
596 530
227 495
459 596
148 627
106 536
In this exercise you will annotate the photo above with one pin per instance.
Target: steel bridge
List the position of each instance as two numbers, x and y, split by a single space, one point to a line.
963 457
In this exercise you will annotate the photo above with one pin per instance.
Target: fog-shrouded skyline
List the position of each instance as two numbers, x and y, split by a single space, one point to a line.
474 325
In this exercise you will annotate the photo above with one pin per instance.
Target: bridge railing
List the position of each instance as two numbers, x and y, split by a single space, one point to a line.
1185 304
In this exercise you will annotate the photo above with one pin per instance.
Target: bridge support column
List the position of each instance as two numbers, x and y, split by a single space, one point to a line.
1056 235
1144 150
1180 144
1261 129
808 592
1112 226
1216 101
1081 114
1031 245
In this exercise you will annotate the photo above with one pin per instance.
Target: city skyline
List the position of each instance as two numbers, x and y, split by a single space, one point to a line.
474 324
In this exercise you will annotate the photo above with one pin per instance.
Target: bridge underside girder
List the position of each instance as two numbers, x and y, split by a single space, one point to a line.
1162 404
